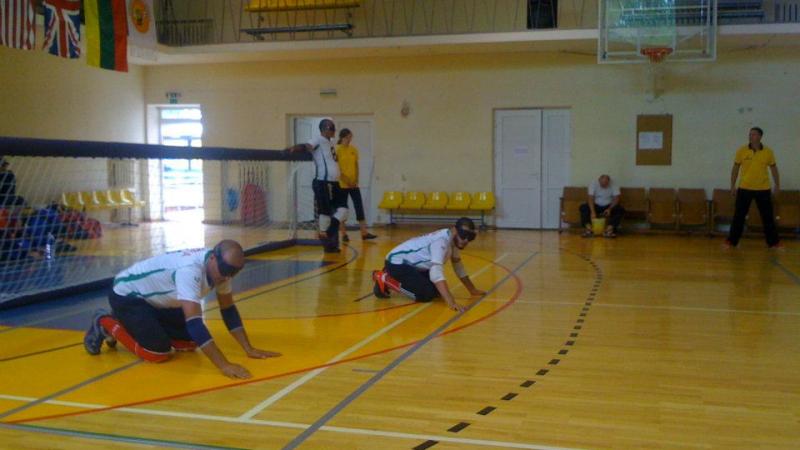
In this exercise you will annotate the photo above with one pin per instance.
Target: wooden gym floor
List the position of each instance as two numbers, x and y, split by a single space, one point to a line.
638 342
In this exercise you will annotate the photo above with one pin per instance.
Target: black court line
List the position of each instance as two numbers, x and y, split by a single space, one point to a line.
313 428
486 411
458 427
365 296
426 445
40 352
786 270
69 389
155 443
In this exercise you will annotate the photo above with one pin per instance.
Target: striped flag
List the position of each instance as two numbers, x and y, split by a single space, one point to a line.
62 28
17 20
106 34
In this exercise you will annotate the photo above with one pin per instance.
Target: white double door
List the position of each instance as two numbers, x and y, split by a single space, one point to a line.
531 159
307 127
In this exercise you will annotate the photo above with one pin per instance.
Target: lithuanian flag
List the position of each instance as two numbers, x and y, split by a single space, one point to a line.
106 34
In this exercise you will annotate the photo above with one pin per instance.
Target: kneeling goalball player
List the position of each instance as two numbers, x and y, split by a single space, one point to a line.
415 268
157 306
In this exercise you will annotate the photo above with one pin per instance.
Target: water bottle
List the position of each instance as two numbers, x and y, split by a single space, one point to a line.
49 247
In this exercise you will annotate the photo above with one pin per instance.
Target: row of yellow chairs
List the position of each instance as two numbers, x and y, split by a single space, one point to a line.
482 202
102 199
439 201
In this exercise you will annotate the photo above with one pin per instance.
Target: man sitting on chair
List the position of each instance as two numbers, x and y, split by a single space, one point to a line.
603 201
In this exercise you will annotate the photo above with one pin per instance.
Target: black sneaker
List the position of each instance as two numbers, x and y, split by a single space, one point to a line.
94 338
330 249
368 236
345 238
380 293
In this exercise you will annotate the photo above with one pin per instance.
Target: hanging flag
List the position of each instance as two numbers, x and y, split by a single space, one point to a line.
17 20
62 28
142 29
106 34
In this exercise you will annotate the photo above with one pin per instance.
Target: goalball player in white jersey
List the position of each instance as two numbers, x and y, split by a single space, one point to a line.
157 307
329 199
415 268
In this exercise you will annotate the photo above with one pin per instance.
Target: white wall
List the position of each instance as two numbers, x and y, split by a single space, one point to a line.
446 142
44 96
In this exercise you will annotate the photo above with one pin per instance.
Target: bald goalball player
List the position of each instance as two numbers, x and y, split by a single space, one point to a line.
157 307
415 268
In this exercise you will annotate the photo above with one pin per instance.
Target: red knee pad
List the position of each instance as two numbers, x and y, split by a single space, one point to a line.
115 329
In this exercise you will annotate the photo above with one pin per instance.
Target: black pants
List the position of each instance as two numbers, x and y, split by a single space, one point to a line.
358 204
328 196
411 279
764 202
152 328
613 219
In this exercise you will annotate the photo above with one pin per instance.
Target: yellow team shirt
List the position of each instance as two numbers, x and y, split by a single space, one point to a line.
753 171
348 165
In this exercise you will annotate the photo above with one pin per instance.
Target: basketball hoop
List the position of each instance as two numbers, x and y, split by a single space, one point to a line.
656 54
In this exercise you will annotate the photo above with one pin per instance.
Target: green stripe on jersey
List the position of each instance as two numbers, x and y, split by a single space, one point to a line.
136 276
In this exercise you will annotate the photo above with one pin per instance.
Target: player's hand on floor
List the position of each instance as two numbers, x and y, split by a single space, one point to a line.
477 292
235 371
455 306
262 354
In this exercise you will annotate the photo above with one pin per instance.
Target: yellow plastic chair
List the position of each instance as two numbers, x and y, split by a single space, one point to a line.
90 201
105 200
459 201
483 202
72 200
129 195
413 200
391 201
116 196
125 198
436 201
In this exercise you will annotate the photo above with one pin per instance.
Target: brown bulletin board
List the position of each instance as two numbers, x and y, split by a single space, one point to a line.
654 140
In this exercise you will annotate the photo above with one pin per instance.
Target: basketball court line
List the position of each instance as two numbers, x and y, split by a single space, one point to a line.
256 380
311 375
69 389
113 437
666 308
269 423
254 411
302 437
786 270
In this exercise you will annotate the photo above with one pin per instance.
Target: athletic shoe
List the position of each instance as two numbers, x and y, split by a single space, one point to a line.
331 249
777 247
368 236
727 245
94 338
380 290
345 238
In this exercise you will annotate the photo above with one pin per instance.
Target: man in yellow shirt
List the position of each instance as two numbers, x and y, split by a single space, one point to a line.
348 164
752 161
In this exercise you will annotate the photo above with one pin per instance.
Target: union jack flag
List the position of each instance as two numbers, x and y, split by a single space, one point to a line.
17 20
62 28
